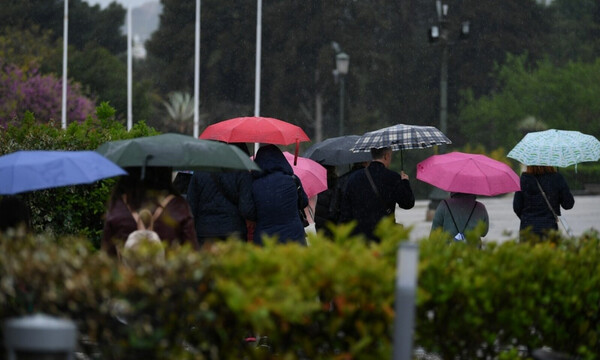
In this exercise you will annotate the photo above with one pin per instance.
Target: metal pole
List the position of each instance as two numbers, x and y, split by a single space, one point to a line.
258 56
197 73
129 71
444 89
342 90
64 69
406 290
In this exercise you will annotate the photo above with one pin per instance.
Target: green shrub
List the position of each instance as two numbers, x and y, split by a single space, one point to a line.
73 210
334 299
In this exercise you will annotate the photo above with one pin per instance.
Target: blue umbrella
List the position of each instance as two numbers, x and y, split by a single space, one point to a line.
23 171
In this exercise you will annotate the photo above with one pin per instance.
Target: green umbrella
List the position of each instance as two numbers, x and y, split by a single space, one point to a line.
181 152
553 147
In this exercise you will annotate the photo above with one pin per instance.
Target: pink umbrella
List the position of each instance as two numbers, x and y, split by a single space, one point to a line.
468 173
312 174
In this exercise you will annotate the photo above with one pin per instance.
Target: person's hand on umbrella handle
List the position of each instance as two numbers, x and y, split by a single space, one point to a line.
403 175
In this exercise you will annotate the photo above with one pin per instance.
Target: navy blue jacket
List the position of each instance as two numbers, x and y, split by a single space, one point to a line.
221 210
276 197
360 203
532 209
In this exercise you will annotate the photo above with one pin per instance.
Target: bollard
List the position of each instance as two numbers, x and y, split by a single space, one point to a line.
39 337
406 290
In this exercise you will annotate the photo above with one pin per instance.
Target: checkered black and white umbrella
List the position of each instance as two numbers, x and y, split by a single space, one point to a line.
401 137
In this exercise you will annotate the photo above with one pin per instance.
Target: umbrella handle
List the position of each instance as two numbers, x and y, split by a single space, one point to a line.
296 151
143 175
401 160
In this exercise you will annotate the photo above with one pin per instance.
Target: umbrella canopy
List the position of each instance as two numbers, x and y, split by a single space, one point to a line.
255 129
336 151
312 175
181 152
23 171
401 137
468 173
553 147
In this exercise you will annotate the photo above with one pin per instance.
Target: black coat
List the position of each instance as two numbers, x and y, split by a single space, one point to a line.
360 203
276 197
532 209
221 203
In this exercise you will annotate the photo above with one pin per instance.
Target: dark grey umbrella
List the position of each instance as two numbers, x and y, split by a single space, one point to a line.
336 151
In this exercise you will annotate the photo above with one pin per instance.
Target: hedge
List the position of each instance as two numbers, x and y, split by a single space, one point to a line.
74 209
331 300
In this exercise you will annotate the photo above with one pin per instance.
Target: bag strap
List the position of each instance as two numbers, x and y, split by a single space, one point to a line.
468 219
157 212
298 183
546 198
387 209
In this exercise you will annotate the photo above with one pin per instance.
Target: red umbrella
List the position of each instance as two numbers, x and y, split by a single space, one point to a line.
468 173
255 129
313 175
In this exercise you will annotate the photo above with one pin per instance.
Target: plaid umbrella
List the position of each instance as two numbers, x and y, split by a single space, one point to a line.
553 147
401 137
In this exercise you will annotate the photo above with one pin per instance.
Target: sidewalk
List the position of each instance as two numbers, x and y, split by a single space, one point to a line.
504 224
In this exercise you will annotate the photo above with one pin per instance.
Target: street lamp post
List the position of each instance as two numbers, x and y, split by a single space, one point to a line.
342 60
440 32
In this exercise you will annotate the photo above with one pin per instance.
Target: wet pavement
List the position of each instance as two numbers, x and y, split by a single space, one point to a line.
504 224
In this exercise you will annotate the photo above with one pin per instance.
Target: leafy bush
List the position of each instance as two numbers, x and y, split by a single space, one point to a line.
73 210
22 91
334 299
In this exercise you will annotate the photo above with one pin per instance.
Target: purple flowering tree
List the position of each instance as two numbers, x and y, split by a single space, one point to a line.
22 91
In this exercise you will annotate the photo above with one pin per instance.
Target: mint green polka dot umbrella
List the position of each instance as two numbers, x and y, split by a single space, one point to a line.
553 147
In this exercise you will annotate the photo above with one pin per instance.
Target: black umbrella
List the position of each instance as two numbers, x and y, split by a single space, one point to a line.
336 151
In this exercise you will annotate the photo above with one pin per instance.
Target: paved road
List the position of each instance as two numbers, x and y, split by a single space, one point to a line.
504 224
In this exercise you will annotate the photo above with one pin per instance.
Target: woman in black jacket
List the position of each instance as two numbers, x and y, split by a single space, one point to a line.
277 198
530 205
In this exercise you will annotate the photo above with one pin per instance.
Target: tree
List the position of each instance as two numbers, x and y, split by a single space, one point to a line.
563 97
30 91
101 27
180 108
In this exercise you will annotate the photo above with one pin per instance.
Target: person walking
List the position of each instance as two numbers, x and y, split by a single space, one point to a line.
221 204
543 192
325 212
372 193
278 198
133 195
460 213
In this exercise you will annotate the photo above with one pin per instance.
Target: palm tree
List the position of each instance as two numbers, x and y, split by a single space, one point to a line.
180 107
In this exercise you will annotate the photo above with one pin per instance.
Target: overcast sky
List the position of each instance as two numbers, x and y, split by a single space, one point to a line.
125 3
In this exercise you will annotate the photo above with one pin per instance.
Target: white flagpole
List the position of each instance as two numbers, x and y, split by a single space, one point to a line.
129 71
197 73
64 70
258 56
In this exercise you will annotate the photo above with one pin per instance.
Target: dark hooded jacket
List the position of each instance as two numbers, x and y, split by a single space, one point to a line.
531 207
221 203
276 198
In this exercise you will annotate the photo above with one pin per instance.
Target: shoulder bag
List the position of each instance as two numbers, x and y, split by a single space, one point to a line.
557 218
388 210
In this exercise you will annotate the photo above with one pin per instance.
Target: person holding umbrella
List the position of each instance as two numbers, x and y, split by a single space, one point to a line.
543 192
460 213
222 203
372 193
154 192
277 197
